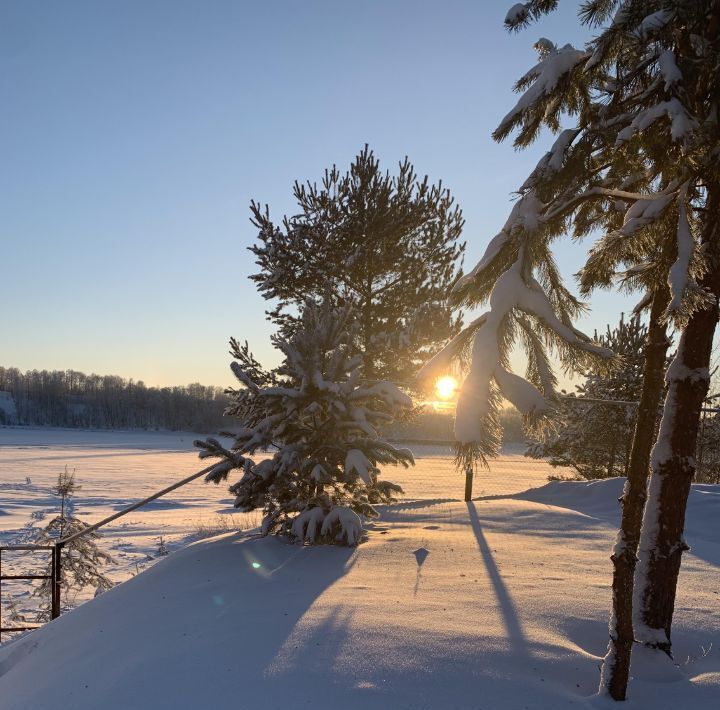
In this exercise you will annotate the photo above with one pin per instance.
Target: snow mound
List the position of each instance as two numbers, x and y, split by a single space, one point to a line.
599 499
498 603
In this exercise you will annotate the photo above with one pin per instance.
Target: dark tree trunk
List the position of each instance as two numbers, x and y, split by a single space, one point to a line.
673 458
616 665
366 320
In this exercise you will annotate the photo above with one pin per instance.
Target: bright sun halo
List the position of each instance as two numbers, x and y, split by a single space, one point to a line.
446 386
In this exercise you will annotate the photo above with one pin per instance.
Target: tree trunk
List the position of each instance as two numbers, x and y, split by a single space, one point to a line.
616 664
366 320
673 457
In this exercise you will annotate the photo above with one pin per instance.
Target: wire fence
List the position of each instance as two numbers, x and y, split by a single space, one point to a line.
593 438
708 455
435 474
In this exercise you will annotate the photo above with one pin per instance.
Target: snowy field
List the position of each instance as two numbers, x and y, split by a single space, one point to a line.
118 468
500 603
115 469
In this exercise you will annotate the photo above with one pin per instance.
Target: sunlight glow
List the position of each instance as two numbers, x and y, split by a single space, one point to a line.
446 387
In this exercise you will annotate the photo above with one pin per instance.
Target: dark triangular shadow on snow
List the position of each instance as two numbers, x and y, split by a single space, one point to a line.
516 636
228 605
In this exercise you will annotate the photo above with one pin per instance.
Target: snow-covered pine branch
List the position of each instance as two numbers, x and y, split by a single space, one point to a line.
321 426
590 180
515 302
540 91
679 277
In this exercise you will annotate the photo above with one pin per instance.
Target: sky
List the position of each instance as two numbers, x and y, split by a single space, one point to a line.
134 134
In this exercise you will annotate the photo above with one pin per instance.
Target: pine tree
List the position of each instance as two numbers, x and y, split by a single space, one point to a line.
387 245
595 438
665 97
616 664
81 559
641 165
322 423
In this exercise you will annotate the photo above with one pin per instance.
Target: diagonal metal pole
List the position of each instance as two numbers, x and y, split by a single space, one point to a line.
135 506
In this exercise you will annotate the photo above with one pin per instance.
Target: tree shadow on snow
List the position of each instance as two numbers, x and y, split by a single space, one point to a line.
516 636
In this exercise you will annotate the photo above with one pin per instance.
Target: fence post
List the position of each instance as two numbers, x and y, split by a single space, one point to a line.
468 482
700 447
55 582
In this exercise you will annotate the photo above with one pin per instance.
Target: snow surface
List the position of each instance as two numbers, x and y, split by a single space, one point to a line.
113 469
117 468
506 607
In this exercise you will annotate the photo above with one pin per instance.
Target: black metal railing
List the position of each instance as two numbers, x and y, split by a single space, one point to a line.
56 551
54 576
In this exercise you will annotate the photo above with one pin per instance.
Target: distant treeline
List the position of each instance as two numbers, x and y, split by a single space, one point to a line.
67 398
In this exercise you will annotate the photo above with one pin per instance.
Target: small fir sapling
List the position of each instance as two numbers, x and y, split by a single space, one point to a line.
708 454
162 549
81 558
65 488
321 423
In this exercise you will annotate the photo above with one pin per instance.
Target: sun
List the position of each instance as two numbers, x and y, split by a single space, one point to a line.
446 386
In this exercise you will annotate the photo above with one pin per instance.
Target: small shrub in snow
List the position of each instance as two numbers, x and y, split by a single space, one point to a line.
321 423
708 454
13 615
162 550
82 558
225 523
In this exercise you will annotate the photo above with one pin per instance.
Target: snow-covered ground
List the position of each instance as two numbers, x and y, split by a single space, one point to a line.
117 468
500 603
113 469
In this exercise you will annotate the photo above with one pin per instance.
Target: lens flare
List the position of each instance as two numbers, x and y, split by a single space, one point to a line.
445 387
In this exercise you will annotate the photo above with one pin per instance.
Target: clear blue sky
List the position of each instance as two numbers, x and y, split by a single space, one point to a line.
134 134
